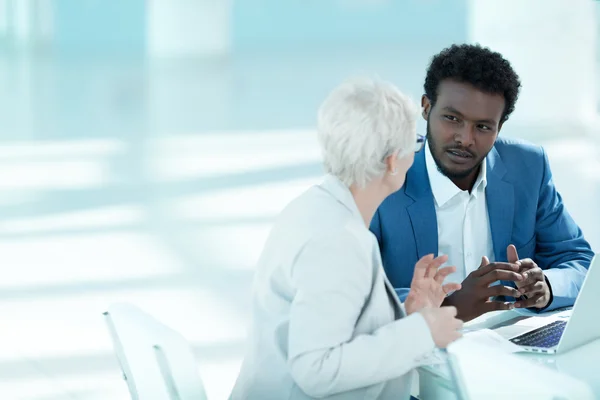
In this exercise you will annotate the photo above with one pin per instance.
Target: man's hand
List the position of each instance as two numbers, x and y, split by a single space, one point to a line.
474 300
533 286
427 288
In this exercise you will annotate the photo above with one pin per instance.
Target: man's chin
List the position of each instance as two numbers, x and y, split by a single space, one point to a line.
454 173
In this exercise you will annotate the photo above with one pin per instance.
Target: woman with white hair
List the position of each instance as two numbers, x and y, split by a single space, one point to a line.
326 321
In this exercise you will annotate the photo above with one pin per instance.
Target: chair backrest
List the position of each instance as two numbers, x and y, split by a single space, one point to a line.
482 372
178 368
157 362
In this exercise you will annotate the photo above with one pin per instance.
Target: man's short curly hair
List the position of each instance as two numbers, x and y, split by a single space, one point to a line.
486 70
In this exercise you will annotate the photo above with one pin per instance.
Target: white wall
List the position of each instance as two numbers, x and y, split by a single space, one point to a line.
189 27
27 22
23 20
552 46
3 17
44 20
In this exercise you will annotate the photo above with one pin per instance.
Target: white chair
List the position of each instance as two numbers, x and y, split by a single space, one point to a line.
157 362
482 372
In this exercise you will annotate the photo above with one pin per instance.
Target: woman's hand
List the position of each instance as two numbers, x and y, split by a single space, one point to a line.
427 288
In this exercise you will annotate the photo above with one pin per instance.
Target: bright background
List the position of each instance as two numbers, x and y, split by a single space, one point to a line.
146 147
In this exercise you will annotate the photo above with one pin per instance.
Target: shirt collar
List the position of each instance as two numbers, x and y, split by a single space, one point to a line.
443 188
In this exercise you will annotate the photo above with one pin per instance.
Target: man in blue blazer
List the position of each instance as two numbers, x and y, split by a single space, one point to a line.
488 203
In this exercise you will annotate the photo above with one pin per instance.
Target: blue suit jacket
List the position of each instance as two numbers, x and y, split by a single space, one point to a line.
524 209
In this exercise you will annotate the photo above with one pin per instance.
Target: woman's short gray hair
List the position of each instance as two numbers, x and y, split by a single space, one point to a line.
361 123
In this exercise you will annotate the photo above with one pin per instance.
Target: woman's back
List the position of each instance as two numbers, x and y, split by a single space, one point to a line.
325 215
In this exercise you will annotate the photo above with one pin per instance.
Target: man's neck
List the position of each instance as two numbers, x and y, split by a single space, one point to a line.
467 182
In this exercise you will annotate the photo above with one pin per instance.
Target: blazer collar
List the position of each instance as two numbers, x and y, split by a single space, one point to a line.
499 199
417 184
342 194
421 211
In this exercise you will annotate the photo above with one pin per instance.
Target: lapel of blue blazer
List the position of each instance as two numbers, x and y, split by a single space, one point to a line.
422 211
501 204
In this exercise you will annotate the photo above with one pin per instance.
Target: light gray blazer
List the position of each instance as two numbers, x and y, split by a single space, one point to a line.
326 321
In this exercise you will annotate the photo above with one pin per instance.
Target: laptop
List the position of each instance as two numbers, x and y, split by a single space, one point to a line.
563 334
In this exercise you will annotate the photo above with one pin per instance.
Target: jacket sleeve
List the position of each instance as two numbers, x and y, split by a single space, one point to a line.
561 249
333 278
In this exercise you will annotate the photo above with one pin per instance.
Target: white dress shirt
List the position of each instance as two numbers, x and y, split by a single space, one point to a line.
326 321
463 222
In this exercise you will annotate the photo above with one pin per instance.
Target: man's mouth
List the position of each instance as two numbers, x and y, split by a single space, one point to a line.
460 153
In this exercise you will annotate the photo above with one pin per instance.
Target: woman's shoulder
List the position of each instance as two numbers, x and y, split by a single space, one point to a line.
315 206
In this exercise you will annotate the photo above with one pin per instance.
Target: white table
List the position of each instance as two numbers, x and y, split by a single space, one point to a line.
580 363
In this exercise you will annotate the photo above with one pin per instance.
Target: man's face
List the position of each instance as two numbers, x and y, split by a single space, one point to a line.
462 127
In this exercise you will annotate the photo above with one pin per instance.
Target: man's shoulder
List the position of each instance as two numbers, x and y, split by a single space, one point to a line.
522 159
398 199
513 147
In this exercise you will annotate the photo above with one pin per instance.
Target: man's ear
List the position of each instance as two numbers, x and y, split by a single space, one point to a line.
425 107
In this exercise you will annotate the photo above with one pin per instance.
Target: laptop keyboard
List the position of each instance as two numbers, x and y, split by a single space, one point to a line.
547 336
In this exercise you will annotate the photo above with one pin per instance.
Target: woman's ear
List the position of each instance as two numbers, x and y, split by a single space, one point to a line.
392 164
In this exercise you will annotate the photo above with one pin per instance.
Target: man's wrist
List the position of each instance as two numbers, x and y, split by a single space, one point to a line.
551 299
